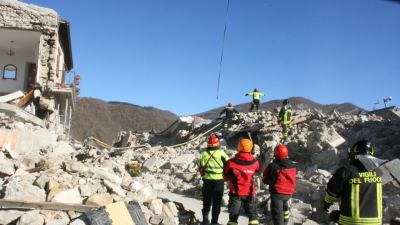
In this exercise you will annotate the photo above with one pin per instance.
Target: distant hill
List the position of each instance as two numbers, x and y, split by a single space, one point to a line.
295 102
103 120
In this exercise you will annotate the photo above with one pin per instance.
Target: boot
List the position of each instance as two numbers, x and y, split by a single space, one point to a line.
215 222
206 221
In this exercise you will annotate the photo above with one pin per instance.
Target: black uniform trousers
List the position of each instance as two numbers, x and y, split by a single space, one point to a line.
235 203
256 103
280 209
213 190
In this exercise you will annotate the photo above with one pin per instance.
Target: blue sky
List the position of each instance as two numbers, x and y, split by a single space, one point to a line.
165 53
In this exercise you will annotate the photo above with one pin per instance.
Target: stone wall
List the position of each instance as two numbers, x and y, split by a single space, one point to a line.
22 16
18 15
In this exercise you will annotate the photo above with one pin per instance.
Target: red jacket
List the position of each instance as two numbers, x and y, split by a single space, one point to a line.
239 173
281 176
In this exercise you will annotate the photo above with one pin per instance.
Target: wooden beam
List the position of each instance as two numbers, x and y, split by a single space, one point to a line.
276 126
4 203
27 98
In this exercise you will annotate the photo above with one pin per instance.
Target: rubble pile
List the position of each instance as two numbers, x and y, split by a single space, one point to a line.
37 165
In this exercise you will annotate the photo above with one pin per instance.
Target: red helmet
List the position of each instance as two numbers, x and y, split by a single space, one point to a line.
281 151
229 104
213 141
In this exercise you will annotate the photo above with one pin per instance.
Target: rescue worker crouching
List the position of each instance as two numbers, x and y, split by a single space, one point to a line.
239 173
285 118
280 175
256 94
230 114
212 163
359 188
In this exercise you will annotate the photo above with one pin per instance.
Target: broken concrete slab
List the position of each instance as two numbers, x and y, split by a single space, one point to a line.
114 188
20 114
390 171
170 210
7 216
6 165
41 181
156 206
103 174
183 160
22 190
150 163
99 199
55 217
335 140
62 148
31 218
71 196
11 96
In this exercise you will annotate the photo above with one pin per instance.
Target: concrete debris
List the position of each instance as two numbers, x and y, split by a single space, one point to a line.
71 196
99 199
18 189
6 166
31 218
45 167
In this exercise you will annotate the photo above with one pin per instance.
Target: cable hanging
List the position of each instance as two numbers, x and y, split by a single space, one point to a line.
223 44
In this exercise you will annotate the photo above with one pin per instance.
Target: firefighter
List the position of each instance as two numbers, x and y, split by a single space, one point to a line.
256 98
239 173
280 175
359 188
285 118
212 163
230 114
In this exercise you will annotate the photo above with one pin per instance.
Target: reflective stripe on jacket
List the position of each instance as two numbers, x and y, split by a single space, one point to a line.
256 95
360 192
213 162
285 115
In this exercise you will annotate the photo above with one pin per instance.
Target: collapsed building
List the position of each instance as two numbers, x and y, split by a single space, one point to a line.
161 169
36 64
38 166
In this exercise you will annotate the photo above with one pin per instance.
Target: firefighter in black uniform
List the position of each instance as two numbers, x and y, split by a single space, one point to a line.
359 188
230 114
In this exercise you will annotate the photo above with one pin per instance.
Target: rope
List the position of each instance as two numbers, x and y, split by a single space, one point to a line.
222 49
102 144
199 136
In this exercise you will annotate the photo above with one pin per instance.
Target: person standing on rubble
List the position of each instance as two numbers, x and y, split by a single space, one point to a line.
239 173
280 175
230 114
212 163
256 94
285 118
359 188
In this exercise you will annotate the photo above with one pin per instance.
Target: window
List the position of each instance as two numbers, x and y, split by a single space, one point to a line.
10 72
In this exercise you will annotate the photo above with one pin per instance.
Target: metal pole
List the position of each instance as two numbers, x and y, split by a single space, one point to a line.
65 113
69 121
58 117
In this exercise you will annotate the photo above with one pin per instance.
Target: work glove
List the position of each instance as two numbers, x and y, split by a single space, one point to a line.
246 95
327 206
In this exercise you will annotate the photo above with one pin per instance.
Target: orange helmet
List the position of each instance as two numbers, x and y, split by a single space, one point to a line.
256 90
245 145
213 141
281 151
229 104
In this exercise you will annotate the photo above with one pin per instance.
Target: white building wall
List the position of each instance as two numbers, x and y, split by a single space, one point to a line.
19 59
60 64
